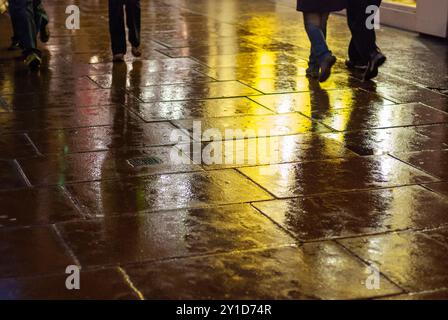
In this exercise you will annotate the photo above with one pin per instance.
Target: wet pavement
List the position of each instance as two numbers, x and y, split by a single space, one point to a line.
354 183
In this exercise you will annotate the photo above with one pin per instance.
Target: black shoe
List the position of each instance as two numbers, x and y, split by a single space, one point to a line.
44 33
325 67
33 61
312 72
355 65
377 60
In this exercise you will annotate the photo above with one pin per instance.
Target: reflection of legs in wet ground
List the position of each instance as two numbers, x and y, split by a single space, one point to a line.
117 27
363 50
28 19
321 59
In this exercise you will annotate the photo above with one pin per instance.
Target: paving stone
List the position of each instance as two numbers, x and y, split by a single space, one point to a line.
171 234
412 260
36 206
332 176
249 126
212 108
34 251
167 192
99 284
434 162
313 271
381 117
321 100
357 213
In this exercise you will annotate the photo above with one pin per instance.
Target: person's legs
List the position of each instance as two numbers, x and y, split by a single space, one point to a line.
133 19
316 26
363 37
22 13
15 43
116 27
319 48
133 16
354 56
41 20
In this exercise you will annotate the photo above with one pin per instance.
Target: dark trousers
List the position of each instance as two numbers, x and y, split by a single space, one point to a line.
116 24
28 17
363 42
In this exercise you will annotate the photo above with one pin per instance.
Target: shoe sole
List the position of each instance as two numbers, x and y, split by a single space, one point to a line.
34 64
324 76
369 75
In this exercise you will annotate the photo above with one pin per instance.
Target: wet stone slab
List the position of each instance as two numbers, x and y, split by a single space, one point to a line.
134 78
125 135
61 118
381 117
393 140
14 146
167 192
313 271
302 83
265 150
25 258
358 213
28 207
434 162
170 234
441 188
249 126
67 98
193 91
99 284
212 108
321 100
332 176
114 164
413 260
10 177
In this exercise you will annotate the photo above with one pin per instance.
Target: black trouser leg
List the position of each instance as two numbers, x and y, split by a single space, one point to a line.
363 43
133 13
22 13
116 26
40 15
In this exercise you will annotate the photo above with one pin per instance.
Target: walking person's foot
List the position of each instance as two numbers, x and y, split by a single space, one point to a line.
312 72
377 60
33 61
119 57
325 67
136 52
44 33
355 65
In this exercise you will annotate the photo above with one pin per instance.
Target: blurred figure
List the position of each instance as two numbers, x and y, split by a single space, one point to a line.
315 14
29 19
363 52
117 27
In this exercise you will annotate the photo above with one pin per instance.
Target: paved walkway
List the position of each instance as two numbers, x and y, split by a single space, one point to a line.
353 180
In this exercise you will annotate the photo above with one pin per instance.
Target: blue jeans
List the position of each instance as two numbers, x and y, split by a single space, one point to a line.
28 17
316 28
